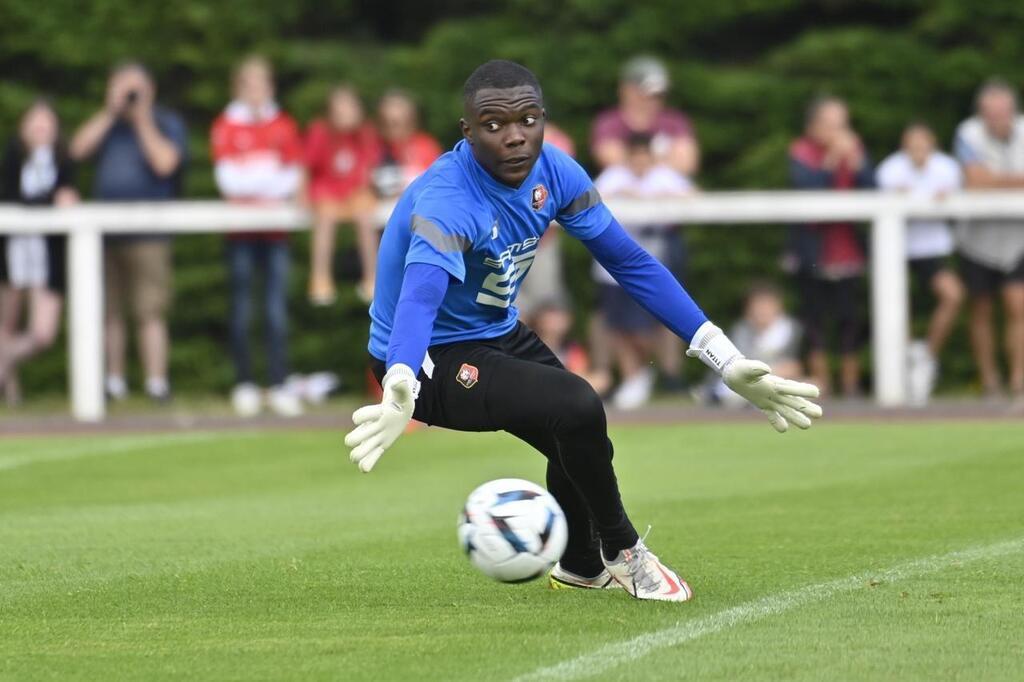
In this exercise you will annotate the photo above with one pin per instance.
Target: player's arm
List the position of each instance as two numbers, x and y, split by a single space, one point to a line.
378 426
657 290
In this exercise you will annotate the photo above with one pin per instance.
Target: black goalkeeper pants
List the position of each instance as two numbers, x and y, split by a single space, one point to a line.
515 383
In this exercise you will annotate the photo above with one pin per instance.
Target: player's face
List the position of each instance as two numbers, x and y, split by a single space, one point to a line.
506 129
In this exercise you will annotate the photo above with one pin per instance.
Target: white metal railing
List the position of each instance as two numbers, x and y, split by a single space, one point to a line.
86 223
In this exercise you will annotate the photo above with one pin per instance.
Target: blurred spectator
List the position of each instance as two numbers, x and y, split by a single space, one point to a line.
341 152
35 170
552 321
990 145
406 151
257 155
140 150
828 258
635 332
546 283
642 87
767 333
559 139
921 171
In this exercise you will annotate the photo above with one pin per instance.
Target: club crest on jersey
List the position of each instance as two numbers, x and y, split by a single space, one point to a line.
538 196
468 375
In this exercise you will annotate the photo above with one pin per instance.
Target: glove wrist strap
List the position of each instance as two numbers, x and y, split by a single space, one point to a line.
713 347
400 372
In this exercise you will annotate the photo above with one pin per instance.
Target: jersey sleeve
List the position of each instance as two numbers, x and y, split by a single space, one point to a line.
441 230
580 211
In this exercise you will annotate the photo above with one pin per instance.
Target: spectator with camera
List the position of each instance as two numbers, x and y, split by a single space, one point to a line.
140 150
829 259
35 170
257 155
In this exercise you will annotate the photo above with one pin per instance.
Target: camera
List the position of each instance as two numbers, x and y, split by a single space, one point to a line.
131 98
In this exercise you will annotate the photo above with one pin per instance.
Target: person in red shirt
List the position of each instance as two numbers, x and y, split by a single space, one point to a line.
341 152
829 258
406 150
257 154
643 85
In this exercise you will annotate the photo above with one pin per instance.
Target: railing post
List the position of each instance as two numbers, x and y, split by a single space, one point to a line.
889 307
85 321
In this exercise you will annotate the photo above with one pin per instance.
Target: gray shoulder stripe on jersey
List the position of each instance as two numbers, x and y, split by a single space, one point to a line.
583 202
438 238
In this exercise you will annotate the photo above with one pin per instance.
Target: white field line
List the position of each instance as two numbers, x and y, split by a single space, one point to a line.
105 447
620 653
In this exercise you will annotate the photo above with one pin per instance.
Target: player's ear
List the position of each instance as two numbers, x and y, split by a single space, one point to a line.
466 132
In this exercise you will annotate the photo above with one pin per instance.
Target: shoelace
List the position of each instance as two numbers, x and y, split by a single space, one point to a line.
636 565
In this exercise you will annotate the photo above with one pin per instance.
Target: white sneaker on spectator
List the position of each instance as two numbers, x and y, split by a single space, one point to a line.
283 402
634 391
158 389
116 387
246 399
922 370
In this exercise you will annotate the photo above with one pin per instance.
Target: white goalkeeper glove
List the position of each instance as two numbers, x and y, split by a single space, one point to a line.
784 402
377 427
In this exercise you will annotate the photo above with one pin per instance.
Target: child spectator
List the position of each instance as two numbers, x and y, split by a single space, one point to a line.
921 171
36 171
341 153
765 332
828 258
257 155
406 151
634 331
141 149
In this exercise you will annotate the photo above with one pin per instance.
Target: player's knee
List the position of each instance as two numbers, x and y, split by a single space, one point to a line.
579 405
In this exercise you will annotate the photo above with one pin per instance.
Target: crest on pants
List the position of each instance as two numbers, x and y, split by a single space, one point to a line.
468 375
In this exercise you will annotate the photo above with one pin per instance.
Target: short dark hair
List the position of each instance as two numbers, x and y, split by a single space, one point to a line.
498 74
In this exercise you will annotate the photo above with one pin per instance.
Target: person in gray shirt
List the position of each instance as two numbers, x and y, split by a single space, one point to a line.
140 152
990 147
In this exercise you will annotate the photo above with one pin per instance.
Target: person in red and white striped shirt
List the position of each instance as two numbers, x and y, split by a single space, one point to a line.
257 154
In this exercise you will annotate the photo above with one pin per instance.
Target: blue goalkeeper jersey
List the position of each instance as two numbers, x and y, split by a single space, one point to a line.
484 234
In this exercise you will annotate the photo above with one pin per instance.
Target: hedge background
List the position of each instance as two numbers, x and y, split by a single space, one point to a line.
743 69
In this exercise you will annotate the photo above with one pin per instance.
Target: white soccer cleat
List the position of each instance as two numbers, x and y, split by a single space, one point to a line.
643 575
561 579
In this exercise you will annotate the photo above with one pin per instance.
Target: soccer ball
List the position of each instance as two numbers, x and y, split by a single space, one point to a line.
512 530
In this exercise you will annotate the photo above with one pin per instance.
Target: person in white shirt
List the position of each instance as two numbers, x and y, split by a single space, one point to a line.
635 333
990 147
920 170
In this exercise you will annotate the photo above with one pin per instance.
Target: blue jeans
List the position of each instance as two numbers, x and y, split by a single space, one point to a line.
245 256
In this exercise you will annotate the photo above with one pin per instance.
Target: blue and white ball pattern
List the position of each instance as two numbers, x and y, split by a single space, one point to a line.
512 530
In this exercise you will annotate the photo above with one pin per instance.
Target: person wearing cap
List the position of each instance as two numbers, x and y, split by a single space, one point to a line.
641 109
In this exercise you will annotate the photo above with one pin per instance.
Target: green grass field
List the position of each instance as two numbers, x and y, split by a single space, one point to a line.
867 552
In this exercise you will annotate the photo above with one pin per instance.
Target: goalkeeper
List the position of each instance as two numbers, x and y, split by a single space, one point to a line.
449 350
